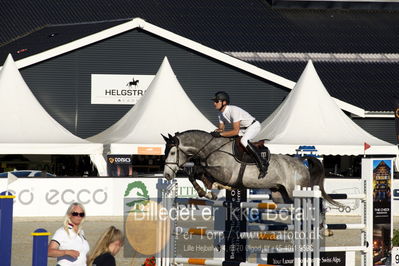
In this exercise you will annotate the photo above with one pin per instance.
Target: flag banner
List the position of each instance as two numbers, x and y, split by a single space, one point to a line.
11 178
366 146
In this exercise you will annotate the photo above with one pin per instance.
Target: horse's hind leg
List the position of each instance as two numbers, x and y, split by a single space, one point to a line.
280 195
323 210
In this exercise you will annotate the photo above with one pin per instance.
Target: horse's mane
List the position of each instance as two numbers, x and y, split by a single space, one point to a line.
190 131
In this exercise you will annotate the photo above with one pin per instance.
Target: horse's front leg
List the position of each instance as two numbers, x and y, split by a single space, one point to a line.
210 183
217 185
201 192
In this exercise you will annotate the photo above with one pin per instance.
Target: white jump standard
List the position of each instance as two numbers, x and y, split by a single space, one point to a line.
307 201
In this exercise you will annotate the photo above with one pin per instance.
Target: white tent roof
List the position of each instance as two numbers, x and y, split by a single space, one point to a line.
165 108
310 116
26 127
138 23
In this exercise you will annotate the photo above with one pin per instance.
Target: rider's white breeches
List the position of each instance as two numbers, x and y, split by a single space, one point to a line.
249 133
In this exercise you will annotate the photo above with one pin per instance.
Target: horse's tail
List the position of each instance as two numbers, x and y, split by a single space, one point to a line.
317 176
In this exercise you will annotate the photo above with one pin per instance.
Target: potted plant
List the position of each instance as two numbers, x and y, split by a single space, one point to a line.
149 261
395 238
395 247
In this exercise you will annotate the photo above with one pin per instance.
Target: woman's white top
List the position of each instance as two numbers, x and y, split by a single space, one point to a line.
74 241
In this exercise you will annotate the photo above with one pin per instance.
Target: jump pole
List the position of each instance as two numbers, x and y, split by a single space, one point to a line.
6 215
40 245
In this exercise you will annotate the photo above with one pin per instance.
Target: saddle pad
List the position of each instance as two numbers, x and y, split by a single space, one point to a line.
241 154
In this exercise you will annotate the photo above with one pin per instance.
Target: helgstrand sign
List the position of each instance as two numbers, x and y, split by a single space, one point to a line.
118 89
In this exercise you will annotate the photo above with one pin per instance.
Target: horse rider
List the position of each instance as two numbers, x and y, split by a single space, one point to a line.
243 124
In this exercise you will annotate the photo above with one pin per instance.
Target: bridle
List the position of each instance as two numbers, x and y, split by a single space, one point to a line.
190 156
177 159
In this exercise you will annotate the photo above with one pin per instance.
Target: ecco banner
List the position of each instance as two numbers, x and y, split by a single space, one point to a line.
118 89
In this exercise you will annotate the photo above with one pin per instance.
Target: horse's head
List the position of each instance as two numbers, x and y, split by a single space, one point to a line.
187 146
175 157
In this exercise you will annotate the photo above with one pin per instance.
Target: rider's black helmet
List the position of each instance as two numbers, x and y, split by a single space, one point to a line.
221 96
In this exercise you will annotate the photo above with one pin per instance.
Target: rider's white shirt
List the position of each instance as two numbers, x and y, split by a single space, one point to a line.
233 114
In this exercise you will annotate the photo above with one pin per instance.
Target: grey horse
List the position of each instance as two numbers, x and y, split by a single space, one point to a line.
217 167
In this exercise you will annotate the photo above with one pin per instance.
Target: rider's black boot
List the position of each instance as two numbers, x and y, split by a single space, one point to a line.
262 163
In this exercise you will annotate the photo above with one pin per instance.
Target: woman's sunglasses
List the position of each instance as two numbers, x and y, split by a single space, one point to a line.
81 214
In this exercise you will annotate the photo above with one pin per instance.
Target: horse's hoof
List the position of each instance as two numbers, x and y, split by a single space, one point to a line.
328 232
210 195
215 186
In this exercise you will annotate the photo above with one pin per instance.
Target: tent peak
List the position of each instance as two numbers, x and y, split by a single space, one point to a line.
9 62
165 69
139 130
9 57
310 116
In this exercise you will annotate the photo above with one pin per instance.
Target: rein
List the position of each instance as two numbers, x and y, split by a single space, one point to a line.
189 157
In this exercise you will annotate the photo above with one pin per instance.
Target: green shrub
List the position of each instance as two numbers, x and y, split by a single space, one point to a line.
395 239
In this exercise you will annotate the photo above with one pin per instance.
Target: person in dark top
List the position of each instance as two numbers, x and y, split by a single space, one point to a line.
107 246
105 259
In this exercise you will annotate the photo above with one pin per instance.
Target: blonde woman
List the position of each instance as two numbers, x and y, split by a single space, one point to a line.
107 246
69 244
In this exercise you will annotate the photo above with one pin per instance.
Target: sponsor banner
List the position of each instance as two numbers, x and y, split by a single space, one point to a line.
326 258
104 196
52 196
381 172
100 196
349 186
119 165
118 89
395 193
354 186
149 150
382 183
237 222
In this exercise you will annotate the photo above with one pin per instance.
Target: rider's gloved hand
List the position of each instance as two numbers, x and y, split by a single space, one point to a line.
215 134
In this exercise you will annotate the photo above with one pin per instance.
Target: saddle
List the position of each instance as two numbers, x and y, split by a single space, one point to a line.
241 153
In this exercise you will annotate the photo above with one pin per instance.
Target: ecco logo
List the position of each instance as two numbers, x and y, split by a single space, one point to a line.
69 196
25 196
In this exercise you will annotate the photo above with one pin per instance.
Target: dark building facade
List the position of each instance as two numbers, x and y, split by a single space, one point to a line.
63 84
353 48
